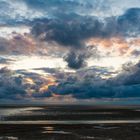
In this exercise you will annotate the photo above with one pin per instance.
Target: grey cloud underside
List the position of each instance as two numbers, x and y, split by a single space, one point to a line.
13 85
10 85
89 84
72 29
84 84
69 31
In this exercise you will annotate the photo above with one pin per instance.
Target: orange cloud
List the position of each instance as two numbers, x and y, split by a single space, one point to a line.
118 45
29 81
21 44
114 43
50 82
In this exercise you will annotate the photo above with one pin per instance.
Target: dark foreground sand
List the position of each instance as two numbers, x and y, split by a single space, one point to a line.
70 132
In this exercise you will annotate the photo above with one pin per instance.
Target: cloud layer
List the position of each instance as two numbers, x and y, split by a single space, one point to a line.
84 84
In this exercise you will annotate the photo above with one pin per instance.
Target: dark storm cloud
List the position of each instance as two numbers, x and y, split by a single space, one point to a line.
19 85
129 22
75 61
90 84
10 86
73 29
130 75
84 84
68 32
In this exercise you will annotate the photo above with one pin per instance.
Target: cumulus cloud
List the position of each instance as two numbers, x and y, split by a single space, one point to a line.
75 61
10 85
129 22
91 84
68 32
72 29
19 85
72 32
84 84
130 74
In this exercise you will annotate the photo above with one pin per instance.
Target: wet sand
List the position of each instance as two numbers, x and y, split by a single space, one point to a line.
69 123
70 132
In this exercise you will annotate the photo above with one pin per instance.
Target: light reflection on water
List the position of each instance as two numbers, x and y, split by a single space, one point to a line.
56 132
13 111
62 115
8 138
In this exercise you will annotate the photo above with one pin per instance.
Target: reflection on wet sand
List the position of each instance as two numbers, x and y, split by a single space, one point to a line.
70 132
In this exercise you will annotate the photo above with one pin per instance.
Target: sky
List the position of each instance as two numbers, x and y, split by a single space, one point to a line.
69 51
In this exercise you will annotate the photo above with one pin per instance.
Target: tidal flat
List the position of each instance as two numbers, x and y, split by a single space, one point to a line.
69 123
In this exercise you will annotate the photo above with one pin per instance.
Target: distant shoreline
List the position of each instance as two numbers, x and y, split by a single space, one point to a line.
84 106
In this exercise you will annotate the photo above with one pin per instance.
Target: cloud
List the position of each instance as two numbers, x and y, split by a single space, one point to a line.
10 85
68 32
130 75
19 44
5 60
17 12
54 5
24 11
75 61
129 22
100 8
87 84
73 30
19 85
